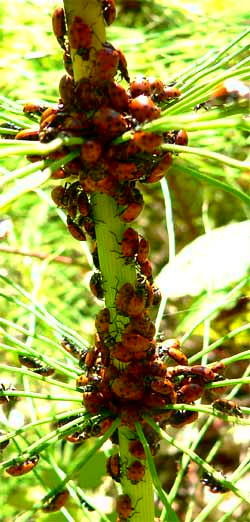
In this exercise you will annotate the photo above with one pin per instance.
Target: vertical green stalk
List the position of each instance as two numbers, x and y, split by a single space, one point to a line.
109 231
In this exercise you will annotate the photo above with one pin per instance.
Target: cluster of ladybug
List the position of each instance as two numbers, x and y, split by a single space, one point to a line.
99 109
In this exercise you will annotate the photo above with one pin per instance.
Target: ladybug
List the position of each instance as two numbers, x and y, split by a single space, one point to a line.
214 485
28 134
124 294
4 443
71 347
58 195
29 362
168 93
156 85
83 204
130 243
109 123
57 174
105 64
109 11
59 26
135 342
140 86
113 467
91 151
205 373
228 407
181 418
134 207
147 141
135 472
120 352
143 109
57 502
88 95
164 387
96 285
190 392
80 34
75 230
136 449
143 325
89 358
66 90
102 321
33 108
127 389
119 99
46 371
24 467
143 250
94 401
124 506
158 172
181 137
231 90
124 171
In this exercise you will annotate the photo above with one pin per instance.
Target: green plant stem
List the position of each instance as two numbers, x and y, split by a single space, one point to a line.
219 342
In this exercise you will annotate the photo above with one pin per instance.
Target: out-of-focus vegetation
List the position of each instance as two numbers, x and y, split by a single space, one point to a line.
158 38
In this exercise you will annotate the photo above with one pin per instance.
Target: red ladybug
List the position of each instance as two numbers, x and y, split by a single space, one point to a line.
80 34
83 204
140 86
181 418
33 108
168 93
135 342
105 64
118 97
46 371
134 208
125 293
94 401
102 321
143 250
109 123
24 467
113 467
75 230
127 389
109 11
130 243
91 151
143 109
181 137
57 502
66 90
28 134
136 449
158 172
135 472
89 95
120 352
190 392
59 26
147 141
164 387
205 373
124 506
